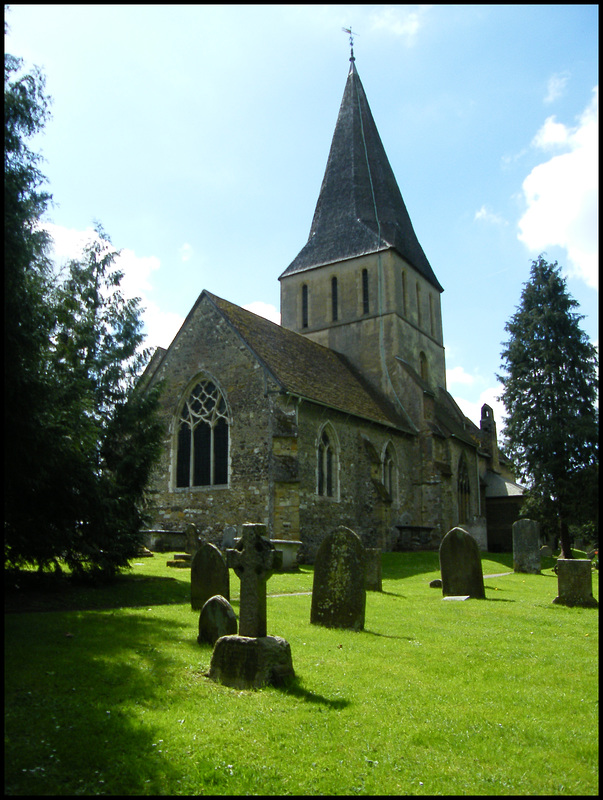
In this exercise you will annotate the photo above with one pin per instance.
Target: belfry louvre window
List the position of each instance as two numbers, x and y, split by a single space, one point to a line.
305 305
334 300
202 447
365 292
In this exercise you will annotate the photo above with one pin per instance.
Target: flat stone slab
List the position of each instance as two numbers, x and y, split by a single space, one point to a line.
245 662
456 597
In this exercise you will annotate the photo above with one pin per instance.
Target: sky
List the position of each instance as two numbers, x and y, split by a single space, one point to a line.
198 136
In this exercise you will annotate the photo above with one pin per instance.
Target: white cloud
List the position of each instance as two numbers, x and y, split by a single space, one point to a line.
400 22
562 194
556 86
160 326
186 252
489 216
457 375
266 310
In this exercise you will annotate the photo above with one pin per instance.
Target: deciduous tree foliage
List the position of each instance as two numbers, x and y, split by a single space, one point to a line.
80 438
550 395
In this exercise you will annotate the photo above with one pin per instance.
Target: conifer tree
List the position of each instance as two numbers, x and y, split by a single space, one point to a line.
550 396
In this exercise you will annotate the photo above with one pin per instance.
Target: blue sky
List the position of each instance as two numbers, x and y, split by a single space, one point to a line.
198 136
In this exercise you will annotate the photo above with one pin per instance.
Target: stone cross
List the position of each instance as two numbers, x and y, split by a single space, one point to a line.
254 560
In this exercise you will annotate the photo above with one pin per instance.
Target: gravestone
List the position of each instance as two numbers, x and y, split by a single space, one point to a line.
246 662
339 593
252 659
217 618
575 583
209 575
545 551
254 560
229 537
526 546
372 576
461 566
193 540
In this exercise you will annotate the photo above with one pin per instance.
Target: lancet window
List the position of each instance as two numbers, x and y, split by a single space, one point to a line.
464 490
328 465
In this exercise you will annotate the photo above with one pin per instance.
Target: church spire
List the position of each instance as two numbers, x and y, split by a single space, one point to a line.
360 209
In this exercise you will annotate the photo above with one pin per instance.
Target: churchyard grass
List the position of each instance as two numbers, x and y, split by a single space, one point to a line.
495 696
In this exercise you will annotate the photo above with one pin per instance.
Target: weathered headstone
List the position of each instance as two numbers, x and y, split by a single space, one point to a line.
545 551
372 575
526 546
245 662
209 575
254 560
339 593
252 659
217 618
575 583
229 537
461 566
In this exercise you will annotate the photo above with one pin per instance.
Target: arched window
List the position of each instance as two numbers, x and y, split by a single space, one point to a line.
334 300
328 465
419 315
365 292
404 303
202 444
305 305
464 490
389 471
423 367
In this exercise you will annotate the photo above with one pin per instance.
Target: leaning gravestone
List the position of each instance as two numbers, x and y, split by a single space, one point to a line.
526 546
575 583
209 575
252 659
461 566
338 592
217 618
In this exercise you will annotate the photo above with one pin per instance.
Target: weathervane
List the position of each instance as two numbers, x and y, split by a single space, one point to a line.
349 30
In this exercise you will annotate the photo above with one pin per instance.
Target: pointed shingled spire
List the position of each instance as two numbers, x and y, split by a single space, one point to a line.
360 209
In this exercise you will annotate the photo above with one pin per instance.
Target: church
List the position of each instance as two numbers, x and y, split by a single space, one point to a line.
340 415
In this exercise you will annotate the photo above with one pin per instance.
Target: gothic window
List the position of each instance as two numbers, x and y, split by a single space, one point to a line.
334 300
365 292
404 305
305 305
202 445
464 490
389 471
419 315
328 464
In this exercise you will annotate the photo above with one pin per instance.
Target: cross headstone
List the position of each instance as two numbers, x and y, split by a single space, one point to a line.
339 592
461 565
254 560
526 546
209 575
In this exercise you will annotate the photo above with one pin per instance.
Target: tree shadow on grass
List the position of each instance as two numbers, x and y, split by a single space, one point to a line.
78 675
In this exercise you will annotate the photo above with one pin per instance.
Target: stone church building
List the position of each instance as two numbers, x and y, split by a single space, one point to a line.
340 415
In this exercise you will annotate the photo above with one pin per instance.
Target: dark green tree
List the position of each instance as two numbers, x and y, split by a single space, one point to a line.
550 396
80 438
28 317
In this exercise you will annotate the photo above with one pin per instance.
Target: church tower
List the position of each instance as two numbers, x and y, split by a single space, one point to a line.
362 284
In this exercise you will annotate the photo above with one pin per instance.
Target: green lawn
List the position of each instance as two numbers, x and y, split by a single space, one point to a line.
479 697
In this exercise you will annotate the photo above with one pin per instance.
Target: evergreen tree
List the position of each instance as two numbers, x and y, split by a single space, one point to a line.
80 439
550 396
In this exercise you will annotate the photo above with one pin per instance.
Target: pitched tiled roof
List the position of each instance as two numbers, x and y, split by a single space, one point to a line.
360 209
306 369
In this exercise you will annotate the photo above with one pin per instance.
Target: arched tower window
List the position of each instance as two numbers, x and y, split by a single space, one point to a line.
327 464
304 300
464 490
334 300
365 292
432 317
419 315
423 367
202 443
404 298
